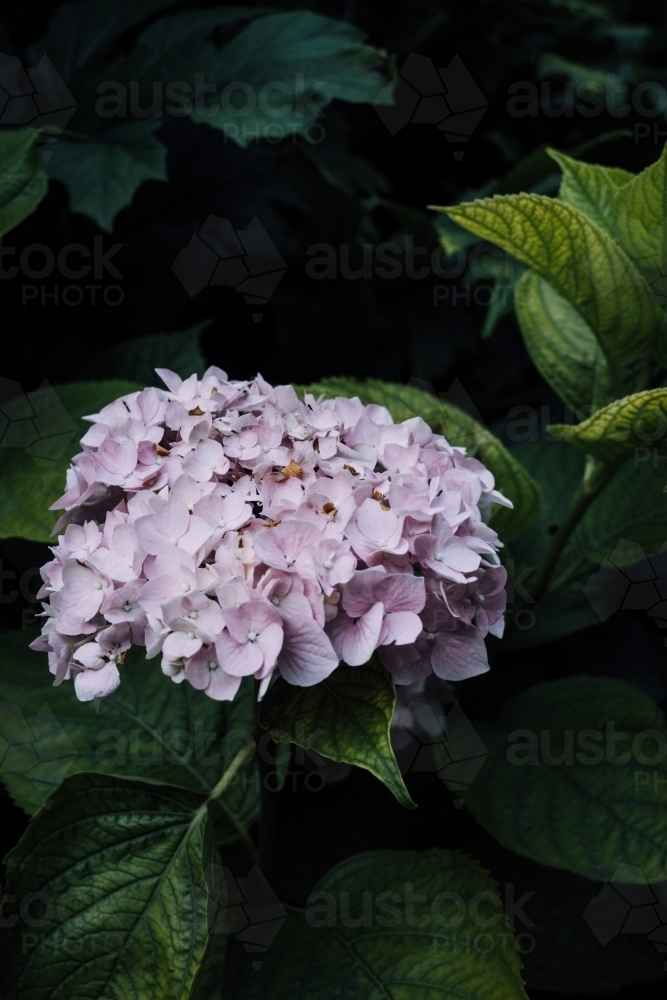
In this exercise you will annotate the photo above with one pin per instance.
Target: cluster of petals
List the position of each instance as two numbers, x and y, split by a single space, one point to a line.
235 530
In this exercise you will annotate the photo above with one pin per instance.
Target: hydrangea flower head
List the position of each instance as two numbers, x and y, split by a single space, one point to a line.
234 530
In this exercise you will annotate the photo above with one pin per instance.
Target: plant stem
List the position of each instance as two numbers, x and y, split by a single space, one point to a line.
569 575
225 781
595 479
241 758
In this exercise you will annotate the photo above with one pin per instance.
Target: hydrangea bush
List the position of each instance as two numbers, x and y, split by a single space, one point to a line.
233 529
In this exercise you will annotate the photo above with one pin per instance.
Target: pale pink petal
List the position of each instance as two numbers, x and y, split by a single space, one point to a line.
307 656
355 640
402 592
270 641
238 659
458 655
91 684
404 663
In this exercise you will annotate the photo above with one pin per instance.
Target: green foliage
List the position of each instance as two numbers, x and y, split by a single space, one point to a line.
618 430
591 313
590 188
138 358
582 263
585 812
23 183
43 433
560 952
346 718
328 57
125 906
406 401
558 469
79 31
292 64
399 949
560 342
150 729
103 174
632 508
640 220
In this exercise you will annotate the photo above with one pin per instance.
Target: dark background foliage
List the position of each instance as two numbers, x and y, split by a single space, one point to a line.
359 185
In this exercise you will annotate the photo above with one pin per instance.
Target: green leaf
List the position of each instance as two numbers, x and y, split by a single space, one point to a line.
41 433
588 814
23 183
390 924
582 263
346 718
559 470
556 915
150 728
103 174
460 429
119 872
79 30
591 188
137 358
640 217
172 49
559 341
618 430
631 508
316 58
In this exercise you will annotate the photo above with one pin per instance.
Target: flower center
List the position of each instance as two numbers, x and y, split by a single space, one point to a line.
252 636
328 564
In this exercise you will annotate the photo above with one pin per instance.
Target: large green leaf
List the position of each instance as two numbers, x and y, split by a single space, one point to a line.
41 432
589 813
346 718
103 174
562 923
149 728
559 341
292 64
174 48
23 183
581 261
406 401
138 358
77 31
120 877
559 470
640 217
390 924
590 188
623 428
631 508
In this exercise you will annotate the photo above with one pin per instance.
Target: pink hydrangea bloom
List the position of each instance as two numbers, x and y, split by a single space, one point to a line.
234 530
